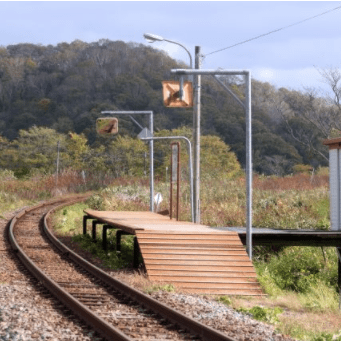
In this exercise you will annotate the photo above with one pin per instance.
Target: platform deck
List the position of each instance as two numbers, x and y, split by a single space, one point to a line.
139 221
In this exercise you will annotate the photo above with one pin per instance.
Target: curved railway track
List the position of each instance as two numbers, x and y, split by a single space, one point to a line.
112 308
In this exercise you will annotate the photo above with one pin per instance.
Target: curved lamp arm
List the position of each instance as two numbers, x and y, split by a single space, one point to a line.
190 57
153 37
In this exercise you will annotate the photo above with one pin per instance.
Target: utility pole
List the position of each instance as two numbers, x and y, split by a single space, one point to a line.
57 171
196 136
248 118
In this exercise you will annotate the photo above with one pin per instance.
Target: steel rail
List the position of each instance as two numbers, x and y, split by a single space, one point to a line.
105 329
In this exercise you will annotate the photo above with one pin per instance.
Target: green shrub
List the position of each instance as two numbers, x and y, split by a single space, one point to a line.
301 168
95 202
322 171
7 174
320 297
157 287
269 315
224 299
267 281
299 269
326 337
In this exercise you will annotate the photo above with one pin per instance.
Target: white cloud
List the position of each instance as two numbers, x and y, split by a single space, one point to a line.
295 79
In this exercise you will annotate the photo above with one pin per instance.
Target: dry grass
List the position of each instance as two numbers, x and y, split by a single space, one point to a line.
296 320
15 193
299 182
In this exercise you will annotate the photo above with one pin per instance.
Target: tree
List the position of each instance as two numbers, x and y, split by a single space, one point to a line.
36 148
76 150
127 156
8 153
302 118
216 160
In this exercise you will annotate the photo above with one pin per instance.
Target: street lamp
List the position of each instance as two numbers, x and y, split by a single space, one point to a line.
151 38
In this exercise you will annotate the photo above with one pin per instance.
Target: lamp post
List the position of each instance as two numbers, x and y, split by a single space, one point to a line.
196 121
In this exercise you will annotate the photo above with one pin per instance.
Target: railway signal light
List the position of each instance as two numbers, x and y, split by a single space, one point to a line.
107 125
171 94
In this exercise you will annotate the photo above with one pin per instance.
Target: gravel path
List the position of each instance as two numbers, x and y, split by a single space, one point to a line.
27 313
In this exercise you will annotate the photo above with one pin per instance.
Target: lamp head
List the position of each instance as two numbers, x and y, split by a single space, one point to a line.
152 37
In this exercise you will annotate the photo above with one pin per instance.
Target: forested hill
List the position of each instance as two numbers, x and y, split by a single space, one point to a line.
65 87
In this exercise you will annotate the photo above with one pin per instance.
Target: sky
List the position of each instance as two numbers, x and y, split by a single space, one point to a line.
289 58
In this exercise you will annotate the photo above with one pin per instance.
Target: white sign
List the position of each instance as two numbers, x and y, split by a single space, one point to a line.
145 133
158 199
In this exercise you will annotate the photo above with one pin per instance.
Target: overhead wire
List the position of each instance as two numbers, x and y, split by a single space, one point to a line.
279 29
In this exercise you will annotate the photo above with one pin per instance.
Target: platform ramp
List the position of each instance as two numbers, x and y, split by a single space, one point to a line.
199 261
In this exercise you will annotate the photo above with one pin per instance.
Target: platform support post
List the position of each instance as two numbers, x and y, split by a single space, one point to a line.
136 253
104 236
338 251
85 219
119 233
94 223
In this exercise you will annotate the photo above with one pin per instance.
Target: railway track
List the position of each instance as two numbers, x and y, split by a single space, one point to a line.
113 309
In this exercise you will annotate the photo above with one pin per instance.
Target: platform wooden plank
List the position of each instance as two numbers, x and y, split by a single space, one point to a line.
196 257
206 243
220 285
198 267
193 251
204 279
183 238
239 292
200 274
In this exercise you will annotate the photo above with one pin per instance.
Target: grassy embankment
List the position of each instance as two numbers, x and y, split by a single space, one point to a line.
300 282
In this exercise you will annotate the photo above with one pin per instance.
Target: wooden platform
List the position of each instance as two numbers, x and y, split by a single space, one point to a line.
191 256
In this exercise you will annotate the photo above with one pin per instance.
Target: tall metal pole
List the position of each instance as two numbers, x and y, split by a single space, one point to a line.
248 164
151 153
196 136
57 171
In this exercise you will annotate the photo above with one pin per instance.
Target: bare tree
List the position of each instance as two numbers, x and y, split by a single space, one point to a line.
308 117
